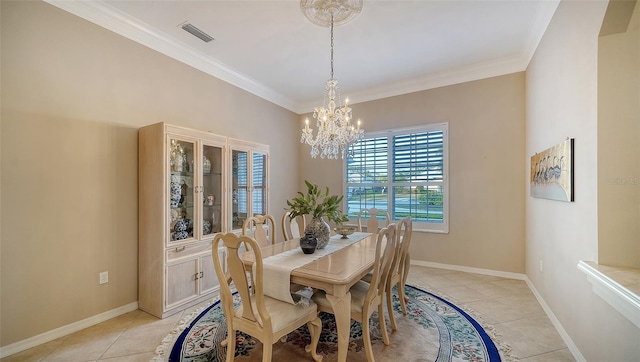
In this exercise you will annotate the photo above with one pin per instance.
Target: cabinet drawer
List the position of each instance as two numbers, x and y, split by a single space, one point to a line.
188 250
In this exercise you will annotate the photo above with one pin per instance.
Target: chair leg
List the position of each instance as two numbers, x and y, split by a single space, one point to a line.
367 340
392 318
315 328
231 345
267 351
383 324
402 297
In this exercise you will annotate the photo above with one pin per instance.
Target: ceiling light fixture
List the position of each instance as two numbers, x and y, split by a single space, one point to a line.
335 130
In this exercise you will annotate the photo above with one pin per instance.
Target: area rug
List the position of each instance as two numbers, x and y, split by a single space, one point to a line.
433 330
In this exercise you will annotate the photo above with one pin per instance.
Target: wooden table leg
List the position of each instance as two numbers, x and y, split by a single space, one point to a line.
342 312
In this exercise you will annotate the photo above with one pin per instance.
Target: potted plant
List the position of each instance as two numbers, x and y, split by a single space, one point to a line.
317 203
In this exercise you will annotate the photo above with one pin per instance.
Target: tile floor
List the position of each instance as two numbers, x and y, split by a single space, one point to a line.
506 304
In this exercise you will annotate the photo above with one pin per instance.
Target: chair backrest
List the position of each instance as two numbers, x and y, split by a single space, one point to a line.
372 222
382 266
236 273
255 227
403 235
292 228
403 239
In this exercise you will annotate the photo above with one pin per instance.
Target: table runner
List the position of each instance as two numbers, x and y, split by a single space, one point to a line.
276 269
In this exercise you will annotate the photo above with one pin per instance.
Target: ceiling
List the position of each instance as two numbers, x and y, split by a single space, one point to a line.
392 47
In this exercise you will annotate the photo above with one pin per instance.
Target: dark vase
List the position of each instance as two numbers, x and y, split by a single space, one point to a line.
308 243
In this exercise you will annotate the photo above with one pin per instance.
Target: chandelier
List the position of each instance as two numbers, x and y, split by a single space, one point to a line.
335 129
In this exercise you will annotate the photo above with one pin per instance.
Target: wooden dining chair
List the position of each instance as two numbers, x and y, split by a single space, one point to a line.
372 223
258 315
399 268
262 228
365 297
292 228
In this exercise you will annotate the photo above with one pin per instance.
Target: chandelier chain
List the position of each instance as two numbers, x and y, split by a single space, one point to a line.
331 46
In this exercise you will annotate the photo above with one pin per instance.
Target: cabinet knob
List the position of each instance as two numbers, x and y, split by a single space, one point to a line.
181 248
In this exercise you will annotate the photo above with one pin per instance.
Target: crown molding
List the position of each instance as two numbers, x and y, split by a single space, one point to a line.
110 18
492 68
465 74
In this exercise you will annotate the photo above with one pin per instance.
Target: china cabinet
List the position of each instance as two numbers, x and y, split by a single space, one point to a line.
181 207
249 181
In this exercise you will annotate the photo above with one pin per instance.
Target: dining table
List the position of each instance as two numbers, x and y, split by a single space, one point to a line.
335 273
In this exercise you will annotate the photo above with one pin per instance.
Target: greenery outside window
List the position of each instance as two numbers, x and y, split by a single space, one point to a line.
403 171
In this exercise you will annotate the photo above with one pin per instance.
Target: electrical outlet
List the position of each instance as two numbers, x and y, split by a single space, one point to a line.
104 277
540 265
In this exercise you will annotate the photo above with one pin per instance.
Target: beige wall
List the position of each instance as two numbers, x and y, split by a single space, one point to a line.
486 177
562 84
619 146
73 96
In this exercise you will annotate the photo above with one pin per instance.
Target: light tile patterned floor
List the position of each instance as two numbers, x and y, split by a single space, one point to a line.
505 304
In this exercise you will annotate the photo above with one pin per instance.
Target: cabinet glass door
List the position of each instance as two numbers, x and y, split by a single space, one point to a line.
211 190
181 190
239 188
259 183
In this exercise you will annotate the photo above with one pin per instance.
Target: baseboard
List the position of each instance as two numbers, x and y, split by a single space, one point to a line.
49 336
556 323
467 269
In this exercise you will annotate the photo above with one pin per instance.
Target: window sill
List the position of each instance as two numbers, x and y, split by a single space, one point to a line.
620 287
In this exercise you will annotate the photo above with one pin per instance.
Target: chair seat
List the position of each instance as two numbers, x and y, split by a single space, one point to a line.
282 313
358 293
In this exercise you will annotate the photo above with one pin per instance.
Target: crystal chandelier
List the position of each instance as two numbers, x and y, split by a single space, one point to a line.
335 130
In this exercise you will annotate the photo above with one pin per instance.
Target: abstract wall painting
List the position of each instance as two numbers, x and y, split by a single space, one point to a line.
552 173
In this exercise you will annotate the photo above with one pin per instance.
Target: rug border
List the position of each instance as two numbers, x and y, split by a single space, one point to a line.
492 349
176 333
487 332
503 347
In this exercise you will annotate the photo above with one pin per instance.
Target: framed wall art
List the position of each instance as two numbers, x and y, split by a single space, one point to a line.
552 172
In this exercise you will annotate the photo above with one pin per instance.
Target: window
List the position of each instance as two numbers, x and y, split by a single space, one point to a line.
249 180
259 184
242 184
402 171
259 176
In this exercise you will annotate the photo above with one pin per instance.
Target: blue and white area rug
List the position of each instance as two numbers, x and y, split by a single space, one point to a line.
433 330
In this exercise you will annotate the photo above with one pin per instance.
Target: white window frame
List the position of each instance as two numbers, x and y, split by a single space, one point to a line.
422 226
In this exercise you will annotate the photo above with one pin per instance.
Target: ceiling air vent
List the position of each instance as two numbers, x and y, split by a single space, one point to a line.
197 32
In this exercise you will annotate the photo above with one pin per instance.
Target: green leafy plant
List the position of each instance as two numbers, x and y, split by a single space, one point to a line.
317 203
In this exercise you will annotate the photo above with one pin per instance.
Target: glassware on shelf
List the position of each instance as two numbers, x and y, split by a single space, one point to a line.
206 165
177 157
